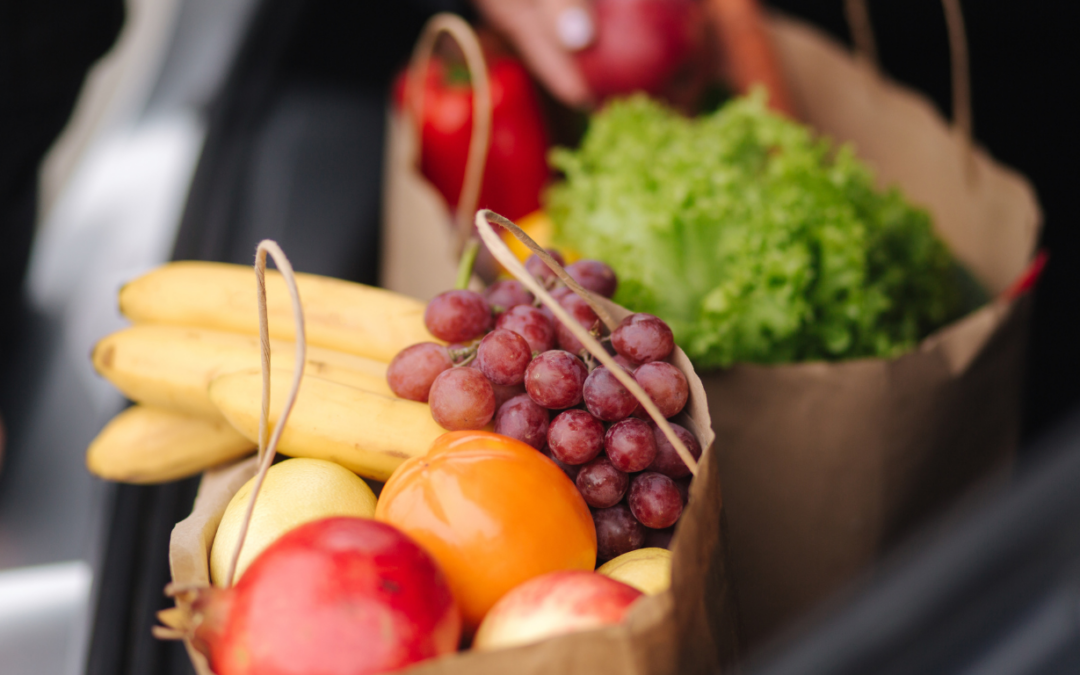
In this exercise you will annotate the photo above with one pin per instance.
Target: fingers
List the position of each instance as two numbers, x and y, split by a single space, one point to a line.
572 22
554 66
544 33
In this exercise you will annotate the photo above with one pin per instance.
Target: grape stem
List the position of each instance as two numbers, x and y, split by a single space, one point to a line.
498 248
463 357
465 265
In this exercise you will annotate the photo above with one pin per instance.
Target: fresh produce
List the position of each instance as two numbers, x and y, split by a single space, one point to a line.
601 484
617 531
338 596
341 315
364 432
414 369
493 512
646 569
522 418
150 445
554 604
171 367
462 398
753 239
515 170
667 460
294 492
654 500
458 316
654 46
548 415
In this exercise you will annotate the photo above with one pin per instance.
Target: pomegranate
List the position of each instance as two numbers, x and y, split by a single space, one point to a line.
334 596
653 46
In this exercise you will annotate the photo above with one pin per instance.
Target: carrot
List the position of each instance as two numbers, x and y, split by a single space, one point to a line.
746 50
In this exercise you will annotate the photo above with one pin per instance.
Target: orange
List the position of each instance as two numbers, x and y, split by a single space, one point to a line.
493 512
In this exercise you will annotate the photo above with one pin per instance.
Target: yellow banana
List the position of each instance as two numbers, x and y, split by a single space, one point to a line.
364 432
341 315
150 445
171 367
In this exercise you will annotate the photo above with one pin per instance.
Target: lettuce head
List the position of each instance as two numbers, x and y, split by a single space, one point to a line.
756 240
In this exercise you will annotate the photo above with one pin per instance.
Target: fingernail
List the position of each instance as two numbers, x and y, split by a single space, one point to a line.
574 27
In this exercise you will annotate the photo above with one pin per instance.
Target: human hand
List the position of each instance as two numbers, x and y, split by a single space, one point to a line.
546 33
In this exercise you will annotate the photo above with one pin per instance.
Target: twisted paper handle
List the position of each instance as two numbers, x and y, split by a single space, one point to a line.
862 34
267 449
502 253
463 34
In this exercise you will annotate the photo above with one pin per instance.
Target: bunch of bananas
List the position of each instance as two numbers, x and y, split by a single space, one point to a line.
191 363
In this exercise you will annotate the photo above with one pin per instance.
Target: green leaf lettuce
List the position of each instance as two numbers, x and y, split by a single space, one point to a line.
755 240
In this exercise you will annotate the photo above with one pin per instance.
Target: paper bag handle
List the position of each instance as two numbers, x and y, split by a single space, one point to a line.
463 34
862 34
509 261
268 448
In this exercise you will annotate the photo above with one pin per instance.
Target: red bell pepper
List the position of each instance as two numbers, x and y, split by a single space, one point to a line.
516 169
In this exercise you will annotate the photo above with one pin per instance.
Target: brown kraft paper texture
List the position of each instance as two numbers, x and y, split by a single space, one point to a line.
824 465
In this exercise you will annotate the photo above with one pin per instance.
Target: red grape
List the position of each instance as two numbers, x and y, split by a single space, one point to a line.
458 316
665 384
575 436
557 294
504 393
667 459
643 338
579 309
414 368
683 485
654 500
571 470
601 484
503 356
659 538
605 397
507 293
630 445
554 379
522 419
626 363
531 324
462 398
539 269
594 276
617 532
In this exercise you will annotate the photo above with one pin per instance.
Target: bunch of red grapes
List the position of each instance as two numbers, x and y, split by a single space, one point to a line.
510 360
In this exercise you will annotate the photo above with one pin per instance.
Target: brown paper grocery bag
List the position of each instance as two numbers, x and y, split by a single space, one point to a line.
824 465
421 238
691 628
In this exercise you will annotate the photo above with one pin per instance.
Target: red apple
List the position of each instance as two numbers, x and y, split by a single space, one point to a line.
643 45
334 596
553 604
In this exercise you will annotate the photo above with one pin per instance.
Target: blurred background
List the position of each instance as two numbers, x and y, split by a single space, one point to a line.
194 128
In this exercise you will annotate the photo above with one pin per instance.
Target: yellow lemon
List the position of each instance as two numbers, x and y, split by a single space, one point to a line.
646 569
295 492
538 226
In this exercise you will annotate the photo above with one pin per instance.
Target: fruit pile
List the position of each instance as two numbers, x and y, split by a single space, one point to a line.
466 433
508 360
